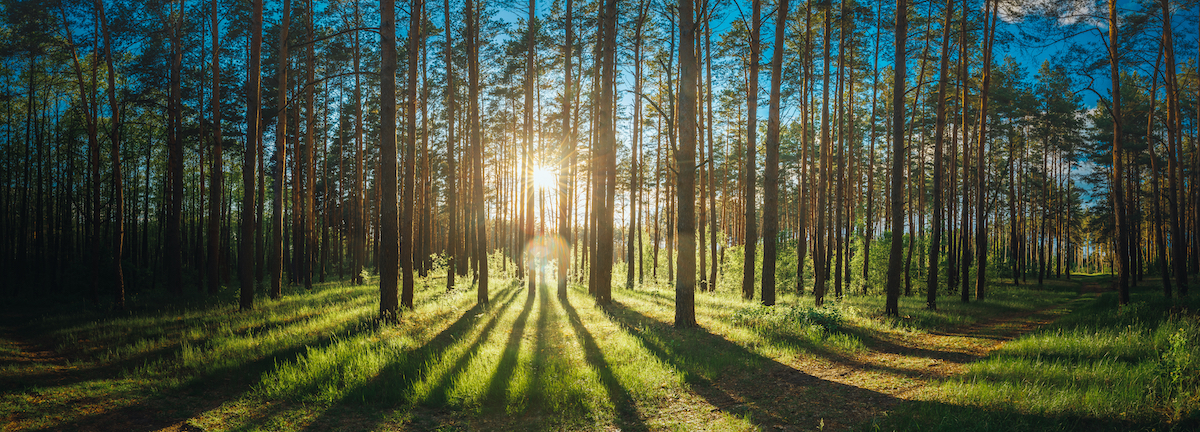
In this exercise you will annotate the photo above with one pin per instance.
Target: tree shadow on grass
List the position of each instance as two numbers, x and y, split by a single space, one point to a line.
733 379
497 391
390 386
198 394
628 417
940 416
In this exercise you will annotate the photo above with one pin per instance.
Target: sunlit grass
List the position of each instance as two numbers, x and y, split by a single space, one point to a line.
320 360
1101 366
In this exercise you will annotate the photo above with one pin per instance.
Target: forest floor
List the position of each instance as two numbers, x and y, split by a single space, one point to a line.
538 361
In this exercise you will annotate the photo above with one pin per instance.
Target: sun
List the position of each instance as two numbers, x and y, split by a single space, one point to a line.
544 178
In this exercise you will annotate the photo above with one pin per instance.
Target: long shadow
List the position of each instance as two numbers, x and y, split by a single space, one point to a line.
97 369
628 417
940 416
389 386
202 392
835 356
498 387
207 391
785 397
438 395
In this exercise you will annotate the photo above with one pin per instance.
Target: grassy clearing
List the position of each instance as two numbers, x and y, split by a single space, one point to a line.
319 360
1100 367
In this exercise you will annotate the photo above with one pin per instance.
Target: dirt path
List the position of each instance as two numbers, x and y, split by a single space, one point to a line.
906 366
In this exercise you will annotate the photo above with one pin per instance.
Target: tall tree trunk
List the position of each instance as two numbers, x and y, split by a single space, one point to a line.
893 281
174 244
771 177
606 155
634 189
981 164
712 184
870 216
750 241
685 161
476 144
389 231
246 267
1118 174
935 242
309 202
451 168
358 214
277 249
527 185
820 259
216 188
1159 242
565 156
1174 152
115 154
408 235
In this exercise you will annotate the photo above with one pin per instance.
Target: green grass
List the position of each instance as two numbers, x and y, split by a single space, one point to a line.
320 360
1100 367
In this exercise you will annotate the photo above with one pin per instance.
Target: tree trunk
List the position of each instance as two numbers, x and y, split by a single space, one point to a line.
820 259
389 231
174 244
685 160
407 225
898 152
1118 174
565 153
981 163
771 177
277 249
605 157
750 241
246 267
115 154
1174 153
477 151
935 242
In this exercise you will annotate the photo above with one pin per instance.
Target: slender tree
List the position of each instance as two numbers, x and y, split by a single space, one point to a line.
451 168
750 239
935 241
898 152
685 162
408 236
249 157
1118 172
389 218
476 144
277 248
771 177
566 154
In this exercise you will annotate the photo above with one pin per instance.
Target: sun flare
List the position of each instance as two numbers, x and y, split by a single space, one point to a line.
544 178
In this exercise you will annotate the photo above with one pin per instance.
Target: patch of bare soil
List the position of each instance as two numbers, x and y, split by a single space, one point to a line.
905 366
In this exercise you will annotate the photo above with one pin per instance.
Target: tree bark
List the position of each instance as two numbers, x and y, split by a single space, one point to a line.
277 249
249 156
771 177
451 166
476 145
893 281
565 154
935 242
389 231
1118 173
685 160
750 240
